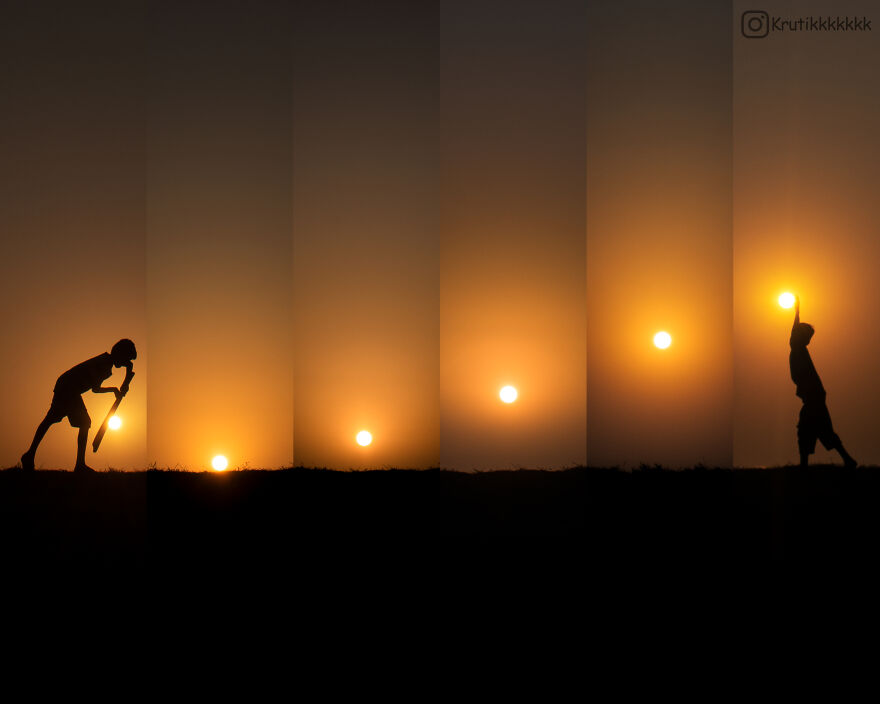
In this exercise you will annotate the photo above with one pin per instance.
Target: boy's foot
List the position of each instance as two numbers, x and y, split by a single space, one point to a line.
84 469
27 462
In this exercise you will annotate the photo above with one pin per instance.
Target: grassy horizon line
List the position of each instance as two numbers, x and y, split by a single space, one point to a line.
580 468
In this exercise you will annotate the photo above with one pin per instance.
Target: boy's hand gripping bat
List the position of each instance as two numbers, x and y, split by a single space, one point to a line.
96 443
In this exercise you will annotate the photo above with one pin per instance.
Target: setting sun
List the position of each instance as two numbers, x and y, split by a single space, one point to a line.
508 394
219 463
115 423
786 300
364 438
662 340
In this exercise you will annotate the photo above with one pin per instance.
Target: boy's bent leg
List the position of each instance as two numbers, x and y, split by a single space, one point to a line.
848 460
806 445
27 459
832 441
79 418
81 440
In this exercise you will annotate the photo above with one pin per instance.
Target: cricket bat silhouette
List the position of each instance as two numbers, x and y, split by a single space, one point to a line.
96 443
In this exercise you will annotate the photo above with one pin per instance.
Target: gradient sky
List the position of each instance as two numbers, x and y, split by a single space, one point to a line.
315 218
512 246
365 237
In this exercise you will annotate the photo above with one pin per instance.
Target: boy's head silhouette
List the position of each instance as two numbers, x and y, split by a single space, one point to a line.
123 353
801 335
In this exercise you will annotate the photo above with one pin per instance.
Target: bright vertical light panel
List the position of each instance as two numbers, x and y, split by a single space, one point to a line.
203 223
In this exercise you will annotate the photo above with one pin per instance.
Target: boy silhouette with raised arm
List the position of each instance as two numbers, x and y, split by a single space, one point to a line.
814 422
67 401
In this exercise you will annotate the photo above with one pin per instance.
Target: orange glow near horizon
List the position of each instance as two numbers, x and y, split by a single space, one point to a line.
219 463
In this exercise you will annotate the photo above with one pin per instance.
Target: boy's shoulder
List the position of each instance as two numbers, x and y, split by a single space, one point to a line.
101 360
87 373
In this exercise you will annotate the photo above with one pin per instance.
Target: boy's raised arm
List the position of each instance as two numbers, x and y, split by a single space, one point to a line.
119 392
129 373
797 312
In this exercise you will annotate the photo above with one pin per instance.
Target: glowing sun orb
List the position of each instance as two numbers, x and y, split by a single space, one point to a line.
508 394
786 300
115 423
219 463
364 438
662 340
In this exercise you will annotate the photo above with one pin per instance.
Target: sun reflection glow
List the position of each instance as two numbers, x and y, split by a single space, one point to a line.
508 394
662 340
786 300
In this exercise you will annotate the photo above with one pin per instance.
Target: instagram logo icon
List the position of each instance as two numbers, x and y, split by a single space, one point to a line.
755 24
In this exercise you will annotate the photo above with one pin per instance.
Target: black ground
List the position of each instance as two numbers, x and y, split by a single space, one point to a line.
143 518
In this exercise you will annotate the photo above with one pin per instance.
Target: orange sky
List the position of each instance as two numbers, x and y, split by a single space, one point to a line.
314 222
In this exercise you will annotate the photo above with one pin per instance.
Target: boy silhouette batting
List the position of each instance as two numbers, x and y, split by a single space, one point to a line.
814 422
67 401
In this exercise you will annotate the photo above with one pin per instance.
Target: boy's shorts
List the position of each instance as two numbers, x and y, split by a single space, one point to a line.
814 424
71 406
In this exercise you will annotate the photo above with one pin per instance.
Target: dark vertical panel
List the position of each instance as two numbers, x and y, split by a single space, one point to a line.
659 251
365 241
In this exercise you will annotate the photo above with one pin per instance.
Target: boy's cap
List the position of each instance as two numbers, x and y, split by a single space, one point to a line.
124 349
802 334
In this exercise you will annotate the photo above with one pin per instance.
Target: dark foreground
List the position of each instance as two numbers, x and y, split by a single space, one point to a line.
157 517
